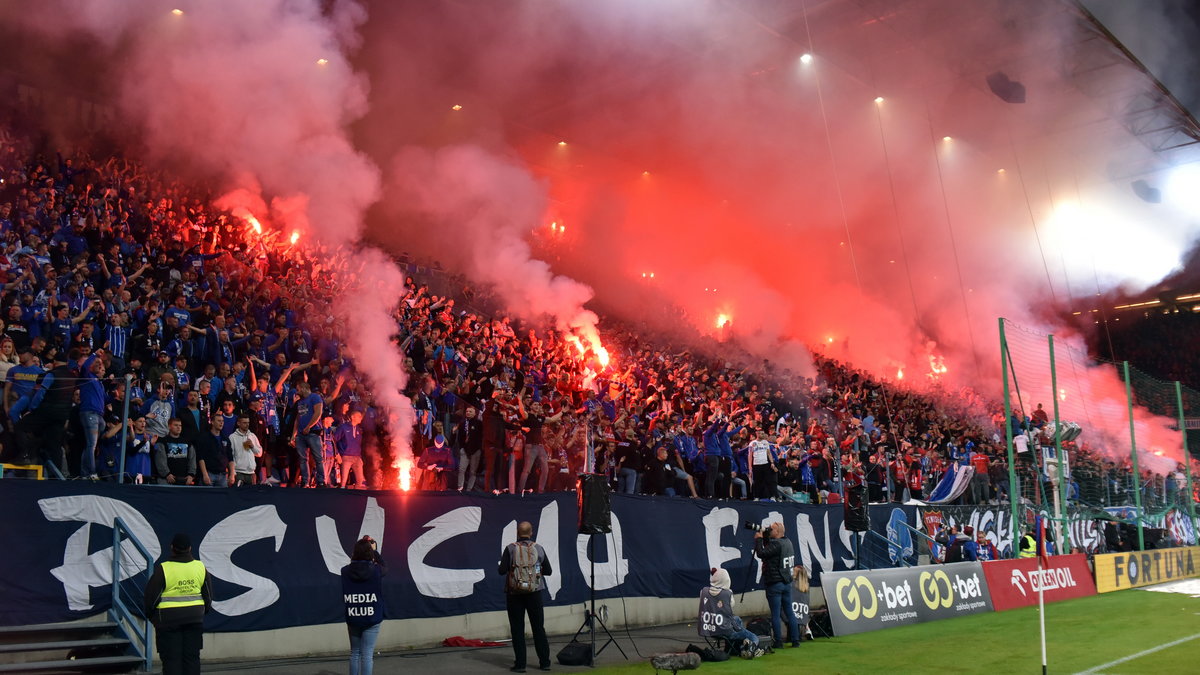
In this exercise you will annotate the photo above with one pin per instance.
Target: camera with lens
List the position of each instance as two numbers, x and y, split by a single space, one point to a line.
756 527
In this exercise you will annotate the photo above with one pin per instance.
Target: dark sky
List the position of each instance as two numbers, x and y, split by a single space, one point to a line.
1164 35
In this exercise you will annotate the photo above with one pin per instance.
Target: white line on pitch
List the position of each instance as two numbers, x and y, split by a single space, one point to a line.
1097 669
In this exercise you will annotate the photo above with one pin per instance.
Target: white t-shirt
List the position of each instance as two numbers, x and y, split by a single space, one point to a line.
1021 443
760 453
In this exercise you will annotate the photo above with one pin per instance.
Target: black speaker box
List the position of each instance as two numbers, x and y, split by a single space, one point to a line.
855 509
595 507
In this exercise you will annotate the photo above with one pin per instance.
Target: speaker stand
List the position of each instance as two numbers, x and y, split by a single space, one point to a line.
590 618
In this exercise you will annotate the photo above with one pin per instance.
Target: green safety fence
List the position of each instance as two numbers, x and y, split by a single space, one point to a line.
1116 427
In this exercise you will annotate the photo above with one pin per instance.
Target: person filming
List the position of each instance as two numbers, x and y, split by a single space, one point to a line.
778 557
362 590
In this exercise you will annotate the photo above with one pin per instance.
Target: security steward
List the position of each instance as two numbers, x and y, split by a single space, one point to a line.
1027 547
178 595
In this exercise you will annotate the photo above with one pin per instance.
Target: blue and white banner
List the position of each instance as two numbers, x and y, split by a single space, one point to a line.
953 484
275 554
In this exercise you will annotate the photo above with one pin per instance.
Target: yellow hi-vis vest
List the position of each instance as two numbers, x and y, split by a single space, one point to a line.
183 583
1031 551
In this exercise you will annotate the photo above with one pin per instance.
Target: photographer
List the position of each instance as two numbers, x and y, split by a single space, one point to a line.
778 558
362 591
716 617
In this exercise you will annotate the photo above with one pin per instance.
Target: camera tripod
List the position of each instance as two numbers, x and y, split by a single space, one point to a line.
590 618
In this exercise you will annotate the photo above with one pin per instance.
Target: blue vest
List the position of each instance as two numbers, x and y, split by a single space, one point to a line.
363 598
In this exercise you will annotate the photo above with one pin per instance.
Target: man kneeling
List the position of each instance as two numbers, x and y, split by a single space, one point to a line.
717 619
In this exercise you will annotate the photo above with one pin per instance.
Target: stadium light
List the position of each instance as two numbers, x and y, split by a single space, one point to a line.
456 107
1182 189
177 12
321 62
879 99
806 59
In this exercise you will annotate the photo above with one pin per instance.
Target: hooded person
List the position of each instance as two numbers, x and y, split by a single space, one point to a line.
436 464
716 617
362 592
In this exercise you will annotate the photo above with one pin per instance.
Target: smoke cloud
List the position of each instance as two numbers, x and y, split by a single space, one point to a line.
258 94
699 162
490 205
873 201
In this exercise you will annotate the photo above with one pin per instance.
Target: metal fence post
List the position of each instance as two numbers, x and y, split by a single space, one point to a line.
1137 474
1064 539
1187 464
1008 437
124 429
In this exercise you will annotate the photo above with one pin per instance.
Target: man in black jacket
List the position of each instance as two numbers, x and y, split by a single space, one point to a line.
778 558
177 597
468 438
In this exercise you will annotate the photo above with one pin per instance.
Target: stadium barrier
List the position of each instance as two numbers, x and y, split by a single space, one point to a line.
1015 583
862 601
275 554
1086 530
1119 571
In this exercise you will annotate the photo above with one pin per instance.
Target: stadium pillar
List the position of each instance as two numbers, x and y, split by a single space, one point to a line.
1137 474
1008 437
1060 500
1187 464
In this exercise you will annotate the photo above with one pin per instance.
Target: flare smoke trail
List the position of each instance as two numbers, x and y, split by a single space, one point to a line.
491 204
875 201
773 190
259 93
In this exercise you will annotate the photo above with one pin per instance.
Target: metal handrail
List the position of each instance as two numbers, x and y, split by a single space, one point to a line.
926 537
891 544
143 630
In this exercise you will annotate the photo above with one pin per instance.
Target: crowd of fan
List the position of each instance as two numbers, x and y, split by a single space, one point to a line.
236 375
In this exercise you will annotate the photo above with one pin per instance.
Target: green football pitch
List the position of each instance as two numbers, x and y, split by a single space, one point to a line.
1125 632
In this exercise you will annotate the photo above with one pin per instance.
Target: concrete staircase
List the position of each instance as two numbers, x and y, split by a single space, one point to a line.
83 647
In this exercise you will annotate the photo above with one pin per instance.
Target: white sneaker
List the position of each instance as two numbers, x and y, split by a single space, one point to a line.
747 649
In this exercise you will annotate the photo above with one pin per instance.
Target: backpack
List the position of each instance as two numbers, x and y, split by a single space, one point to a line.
954 553
524 571
760 626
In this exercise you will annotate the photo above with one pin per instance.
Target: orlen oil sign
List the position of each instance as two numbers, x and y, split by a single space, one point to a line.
1118 571
861 601
1015 583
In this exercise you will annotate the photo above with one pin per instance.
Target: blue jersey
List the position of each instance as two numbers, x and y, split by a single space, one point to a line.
23 378
305 410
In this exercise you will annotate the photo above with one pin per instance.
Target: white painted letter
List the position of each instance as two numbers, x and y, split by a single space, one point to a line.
80 571
327 536
216 551
444 582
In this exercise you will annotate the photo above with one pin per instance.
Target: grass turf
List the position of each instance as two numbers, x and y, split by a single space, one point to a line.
1080 634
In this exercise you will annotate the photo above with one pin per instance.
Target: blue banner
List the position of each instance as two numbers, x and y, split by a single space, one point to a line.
275 554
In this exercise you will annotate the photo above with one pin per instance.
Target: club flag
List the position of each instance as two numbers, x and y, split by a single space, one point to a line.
1041 541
